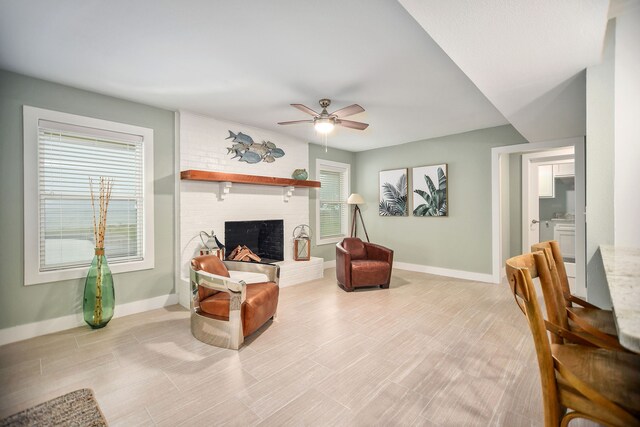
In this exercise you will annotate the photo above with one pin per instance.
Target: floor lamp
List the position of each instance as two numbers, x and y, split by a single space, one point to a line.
356 199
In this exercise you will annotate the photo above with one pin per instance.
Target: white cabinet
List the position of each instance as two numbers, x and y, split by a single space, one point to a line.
547 175
565 234
546 188
564 169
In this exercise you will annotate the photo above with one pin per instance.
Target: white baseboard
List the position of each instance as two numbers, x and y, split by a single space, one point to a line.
458 274
43 327
329 264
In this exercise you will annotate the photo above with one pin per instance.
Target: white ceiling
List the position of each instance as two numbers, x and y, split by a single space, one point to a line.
246 61
526 56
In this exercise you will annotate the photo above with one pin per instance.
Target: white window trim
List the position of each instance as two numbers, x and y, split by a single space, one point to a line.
337 167
32 275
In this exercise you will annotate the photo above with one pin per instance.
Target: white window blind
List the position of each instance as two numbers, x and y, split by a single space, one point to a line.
68 157
332 214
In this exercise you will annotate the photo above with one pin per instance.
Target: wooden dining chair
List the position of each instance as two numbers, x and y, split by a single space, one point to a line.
588 318
577 381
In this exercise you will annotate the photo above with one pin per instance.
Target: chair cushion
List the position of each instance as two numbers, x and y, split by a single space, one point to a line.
210 264
369 273
260 305
354 247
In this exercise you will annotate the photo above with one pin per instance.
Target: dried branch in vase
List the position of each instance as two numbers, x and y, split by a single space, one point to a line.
100 221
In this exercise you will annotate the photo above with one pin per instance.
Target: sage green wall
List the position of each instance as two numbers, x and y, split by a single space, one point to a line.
328 251
600 167
21 304
461 241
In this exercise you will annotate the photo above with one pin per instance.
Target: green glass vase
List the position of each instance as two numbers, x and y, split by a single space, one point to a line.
99 295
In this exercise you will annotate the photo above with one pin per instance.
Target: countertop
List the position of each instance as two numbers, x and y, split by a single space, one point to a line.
622 268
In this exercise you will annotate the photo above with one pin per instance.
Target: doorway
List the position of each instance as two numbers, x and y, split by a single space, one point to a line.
509 224
549 204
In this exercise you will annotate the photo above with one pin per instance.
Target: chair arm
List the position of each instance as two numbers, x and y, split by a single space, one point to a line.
343 266
576 300
601 339
235 288
272 271
379 253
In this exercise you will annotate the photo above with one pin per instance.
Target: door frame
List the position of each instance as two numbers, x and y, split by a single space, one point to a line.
496 219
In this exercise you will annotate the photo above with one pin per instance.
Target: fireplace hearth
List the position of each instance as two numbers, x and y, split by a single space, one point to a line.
265 238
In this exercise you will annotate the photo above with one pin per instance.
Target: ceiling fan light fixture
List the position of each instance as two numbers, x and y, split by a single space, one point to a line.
324 124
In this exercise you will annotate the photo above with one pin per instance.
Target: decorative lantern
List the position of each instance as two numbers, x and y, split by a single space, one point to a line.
301 243
212 246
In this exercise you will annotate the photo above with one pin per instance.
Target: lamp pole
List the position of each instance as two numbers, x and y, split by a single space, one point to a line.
354 224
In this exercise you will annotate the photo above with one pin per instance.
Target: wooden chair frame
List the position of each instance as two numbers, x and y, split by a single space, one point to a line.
559 308
554 247
561 389
218 332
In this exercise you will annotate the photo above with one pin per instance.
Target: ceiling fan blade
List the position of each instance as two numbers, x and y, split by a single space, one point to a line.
348 111
305 109
353 125
295 121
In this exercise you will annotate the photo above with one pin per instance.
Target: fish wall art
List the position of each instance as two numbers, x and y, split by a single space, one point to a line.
246 150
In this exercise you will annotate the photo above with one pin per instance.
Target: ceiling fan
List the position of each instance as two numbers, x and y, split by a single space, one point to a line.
324 122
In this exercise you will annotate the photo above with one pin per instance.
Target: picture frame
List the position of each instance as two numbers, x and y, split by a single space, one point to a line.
430 190
393 192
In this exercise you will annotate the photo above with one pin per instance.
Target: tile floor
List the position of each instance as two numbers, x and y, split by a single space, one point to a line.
430 351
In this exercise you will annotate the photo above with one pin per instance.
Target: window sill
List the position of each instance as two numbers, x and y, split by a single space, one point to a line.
41 277
330 240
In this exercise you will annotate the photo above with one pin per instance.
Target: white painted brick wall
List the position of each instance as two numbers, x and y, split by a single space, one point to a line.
203 146
294 272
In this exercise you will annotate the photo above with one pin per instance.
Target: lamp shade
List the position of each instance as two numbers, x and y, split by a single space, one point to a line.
355 199
323 125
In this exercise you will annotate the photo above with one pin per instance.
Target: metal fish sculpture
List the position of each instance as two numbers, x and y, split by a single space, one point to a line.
260 149
240 137
246 150
250 157
277 152
235 148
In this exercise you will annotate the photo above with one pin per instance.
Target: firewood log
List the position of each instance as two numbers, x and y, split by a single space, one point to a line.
254 257
234 252
242 254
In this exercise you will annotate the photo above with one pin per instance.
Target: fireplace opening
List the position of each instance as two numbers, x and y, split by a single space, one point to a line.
265 238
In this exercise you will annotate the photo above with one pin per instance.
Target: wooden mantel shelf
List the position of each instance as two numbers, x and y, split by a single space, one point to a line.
226 180
197 175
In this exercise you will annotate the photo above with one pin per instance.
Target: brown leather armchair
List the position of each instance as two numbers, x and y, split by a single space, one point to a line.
223 310
362 264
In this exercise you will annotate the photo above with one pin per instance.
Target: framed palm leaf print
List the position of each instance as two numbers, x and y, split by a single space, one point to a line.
393 193
430 190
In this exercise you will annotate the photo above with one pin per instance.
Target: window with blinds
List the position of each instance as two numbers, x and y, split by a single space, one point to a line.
332 204
69 158
63 153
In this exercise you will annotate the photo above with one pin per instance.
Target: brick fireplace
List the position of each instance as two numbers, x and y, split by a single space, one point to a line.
203 147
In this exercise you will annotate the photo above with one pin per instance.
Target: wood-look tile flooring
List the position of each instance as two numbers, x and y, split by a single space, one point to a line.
430 351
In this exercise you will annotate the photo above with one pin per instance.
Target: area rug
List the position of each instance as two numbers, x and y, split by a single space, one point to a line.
78 408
